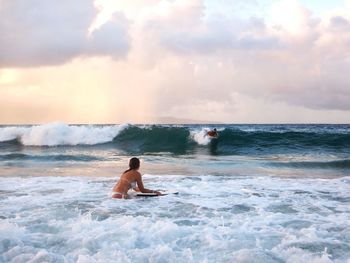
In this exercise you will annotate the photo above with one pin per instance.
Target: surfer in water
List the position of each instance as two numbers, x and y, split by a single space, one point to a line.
129 179
212 133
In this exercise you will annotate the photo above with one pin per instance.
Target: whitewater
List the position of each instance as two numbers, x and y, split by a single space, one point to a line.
257 193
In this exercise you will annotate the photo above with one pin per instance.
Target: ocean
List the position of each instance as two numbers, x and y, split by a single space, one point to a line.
257 193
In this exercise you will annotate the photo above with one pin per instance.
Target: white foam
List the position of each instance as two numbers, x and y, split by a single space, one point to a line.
12 133
212 219
57 133
200 137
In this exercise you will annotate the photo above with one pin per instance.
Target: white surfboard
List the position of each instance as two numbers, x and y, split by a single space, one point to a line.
154 194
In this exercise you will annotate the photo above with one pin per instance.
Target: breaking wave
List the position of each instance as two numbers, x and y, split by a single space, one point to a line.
171 138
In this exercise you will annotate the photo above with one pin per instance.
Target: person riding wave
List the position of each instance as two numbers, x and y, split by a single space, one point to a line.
212 133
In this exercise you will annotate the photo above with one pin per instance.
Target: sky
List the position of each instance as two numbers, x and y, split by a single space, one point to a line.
148 61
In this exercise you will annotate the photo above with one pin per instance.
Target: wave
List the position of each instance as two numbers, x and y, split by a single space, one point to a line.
177 139
48 158
338 164
154 139
260 140
56 134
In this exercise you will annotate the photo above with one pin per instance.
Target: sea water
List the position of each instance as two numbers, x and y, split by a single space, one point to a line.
257 193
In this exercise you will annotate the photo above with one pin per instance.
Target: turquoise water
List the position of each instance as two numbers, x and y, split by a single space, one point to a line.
258 193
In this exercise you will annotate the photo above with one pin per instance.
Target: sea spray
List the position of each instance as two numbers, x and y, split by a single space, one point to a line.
200 136
55 134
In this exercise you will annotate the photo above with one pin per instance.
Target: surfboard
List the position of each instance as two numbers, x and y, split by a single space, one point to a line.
154 194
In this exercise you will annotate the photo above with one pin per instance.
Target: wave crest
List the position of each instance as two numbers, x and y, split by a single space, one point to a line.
55 134
175 139
337 164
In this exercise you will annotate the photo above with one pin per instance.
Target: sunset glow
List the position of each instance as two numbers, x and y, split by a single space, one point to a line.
141 61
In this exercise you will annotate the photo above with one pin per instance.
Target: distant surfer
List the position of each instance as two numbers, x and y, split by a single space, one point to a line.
129 179
212 133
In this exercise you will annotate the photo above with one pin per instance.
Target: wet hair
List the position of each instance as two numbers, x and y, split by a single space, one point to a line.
134 164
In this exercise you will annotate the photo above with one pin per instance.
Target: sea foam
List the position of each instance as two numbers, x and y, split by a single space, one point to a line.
200 135
72 219
57 133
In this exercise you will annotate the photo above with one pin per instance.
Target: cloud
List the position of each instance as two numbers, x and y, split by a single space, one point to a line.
183 28
111 39
182 61
40 32
340 23
297 59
